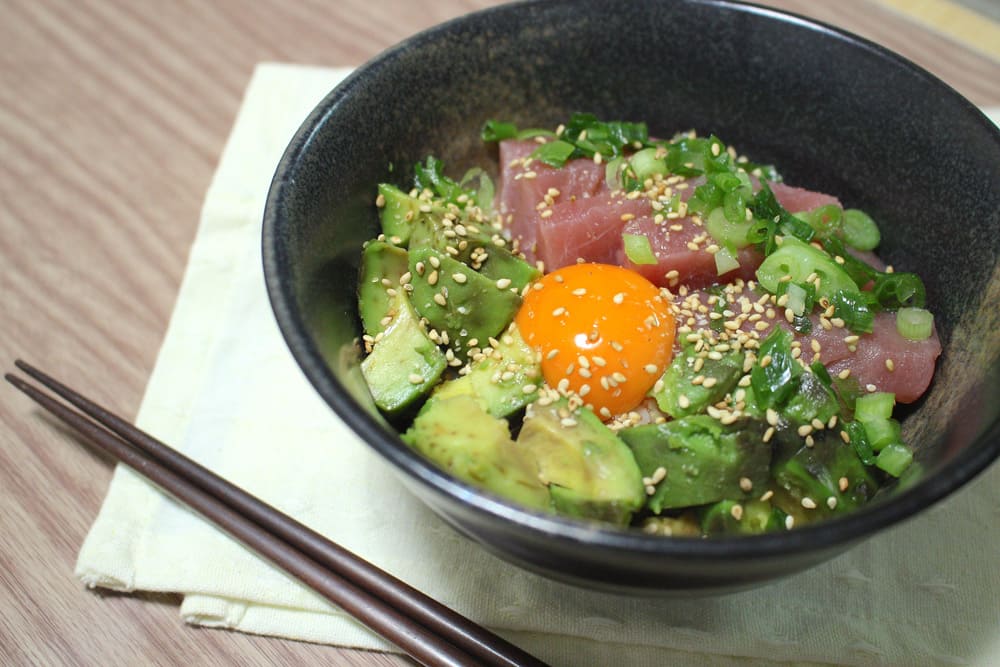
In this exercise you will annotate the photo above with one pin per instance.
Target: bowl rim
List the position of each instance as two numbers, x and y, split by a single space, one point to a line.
830 533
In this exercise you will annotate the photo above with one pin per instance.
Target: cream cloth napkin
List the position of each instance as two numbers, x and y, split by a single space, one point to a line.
226 391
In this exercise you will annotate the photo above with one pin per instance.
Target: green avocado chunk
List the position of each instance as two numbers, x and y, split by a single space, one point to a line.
504 380
482 252
704 460
404 363
457 300
398 214
590 472
380 262
680 397
752 517
811 400
460 436
815 472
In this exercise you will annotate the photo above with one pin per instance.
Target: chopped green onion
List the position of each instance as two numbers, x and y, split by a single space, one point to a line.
859 230
726 261
796 298
776 220
914 323
895 458
772 384
874 406
613 173
899 290
724 231
638 250
430 176
855 309
819 370
533 132
495 130
554 153
859 440
881 432
800 260
825 220
484 192
645 164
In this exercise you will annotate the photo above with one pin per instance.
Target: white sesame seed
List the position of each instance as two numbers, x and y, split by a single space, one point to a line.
503 283
809 503
416 378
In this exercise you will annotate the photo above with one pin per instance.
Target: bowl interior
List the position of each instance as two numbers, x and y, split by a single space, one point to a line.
833 112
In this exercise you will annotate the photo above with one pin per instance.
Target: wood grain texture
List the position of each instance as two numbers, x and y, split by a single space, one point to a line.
112 119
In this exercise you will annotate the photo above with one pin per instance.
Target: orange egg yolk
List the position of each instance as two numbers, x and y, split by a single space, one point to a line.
605 333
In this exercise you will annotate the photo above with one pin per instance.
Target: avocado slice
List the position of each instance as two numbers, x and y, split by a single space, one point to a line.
457 300
590 472
704 459
812 399
460 436
398 214
815 472
680 397
380 262
755 517
504 381
475 248
404 363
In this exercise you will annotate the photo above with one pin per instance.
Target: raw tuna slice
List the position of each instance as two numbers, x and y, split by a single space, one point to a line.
524 186
567 215
679 263
799 199
883 359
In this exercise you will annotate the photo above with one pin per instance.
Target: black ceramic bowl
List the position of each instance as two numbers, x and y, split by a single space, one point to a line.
834 112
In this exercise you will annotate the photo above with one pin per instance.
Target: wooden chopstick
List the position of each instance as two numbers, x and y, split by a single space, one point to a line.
425 629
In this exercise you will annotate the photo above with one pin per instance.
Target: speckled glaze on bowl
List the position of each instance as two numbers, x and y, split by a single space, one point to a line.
834 112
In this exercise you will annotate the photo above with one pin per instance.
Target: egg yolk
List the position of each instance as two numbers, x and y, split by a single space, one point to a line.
605 333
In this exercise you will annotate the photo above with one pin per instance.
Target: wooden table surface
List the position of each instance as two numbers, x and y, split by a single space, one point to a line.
112 118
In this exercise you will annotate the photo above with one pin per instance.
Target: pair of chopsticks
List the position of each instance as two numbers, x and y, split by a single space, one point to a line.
426 630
